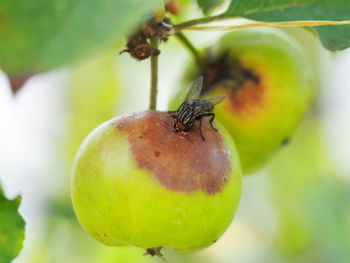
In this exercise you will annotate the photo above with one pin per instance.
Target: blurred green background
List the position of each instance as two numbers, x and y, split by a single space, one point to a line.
296 209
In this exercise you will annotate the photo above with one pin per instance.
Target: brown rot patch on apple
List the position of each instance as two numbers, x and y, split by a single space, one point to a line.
179 161
244 87
247 99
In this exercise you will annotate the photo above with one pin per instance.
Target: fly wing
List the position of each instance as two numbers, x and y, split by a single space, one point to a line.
195 89
215 99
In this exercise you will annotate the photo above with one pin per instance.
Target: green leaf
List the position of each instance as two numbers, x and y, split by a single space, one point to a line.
332 37
208 5
11 228
39 35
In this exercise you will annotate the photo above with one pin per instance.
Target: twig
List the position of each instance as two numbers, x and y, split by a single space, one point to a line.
187 43
154 74
202 20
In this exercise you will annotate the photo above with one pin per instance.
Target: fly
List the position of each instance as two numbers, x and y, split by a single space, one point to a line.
195 108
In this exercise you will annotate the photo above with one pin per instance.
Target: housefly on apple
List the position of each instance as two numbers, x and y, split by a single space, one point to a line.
194 108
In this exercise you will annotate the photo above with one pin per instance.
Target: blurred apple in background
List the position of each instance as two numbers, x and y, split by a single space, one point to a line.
269 83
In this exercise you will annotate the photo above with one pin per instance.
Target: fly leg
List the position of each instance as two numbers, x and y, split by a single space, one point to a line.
211 121
174 116
212 117
175 125
200 125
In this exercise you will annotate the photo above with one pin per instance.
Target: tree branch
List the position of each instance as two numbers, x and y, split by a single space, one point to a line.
202 20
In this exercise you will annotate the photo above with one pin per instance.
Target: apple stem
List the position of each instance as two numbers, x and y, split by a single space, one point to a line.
202 20
187 43
154 74
154 251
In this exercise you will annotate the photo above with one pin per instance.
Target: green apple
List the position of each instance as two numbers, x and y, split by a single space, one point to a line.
137 182
269 83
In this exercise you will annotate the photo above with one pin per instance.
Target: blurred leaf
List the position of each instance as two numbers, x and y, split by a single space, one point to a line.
11 228
94 90
312 201
332 37
39 35
17 82
208 5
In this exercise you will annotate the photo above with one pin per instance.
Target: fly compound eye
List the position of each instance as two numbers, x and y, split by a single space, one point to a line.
179 126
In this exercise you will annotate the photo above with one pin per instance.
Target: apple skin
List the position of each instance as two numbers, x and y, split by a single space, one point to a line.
264 107
137 182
